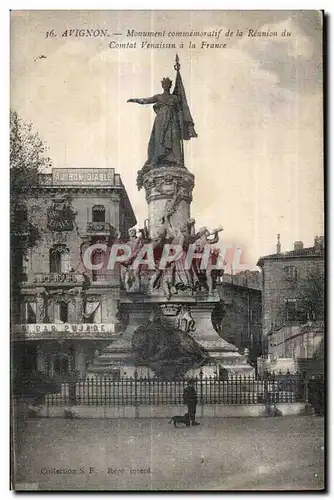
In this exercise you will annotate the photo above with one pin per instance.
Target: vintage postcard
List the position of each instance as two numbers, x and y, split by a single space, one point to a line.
167 250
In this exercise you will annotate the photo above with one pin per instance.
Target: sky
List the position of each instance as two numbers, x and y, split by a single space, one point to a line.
256 104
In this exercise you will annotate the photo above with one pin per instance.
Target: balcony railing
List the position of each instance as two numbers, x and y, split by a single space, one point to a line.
53 278
112 276
99 228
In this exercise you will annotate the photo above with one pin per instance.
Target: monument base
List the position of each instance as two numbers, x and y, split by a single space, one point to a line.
168 194
192 315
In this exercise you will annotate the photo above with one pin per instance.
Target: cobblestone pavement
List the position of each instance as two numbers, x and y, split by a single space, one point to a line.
221 454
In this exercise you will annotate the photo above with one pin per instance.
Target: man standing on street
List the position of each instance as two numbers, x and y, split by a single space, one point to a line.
190 399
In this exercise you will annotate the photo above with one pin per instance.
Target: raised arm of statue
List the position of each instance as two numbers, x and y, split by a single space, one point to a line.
215 233
147 100
215 238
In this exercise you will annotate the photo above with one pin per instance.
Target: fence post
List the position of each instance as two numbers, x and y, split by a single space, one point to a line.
72 389
135 402
201 390
266 391
305 387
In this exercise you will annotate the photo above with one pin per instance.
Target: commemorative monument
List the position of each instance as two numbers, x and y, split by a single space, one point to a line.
166 311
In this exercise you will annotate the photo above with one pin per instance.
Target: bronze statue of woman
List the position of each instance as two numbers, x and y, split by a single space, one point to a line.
165 146
173 124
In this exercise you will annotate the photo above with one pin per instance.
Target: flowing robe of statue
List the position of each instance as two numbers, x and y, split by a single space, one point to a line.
165 142
183 278
173 124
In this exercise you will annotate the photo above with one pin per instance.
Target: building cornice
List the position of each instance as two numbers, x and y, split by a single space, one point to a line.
78 189
289 256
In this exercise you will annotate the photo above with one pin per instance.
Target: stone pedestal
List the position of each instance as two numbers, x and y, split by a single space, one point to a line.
141 309
168 195
223 354
118 354
114 357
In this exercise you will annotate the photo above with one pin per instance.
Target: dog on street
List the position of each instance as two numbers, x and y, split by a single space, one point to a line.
180 419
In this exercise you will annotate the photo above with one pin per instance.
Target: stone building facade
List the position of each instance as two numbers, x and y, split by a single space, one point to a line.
240 321
64 312
292 323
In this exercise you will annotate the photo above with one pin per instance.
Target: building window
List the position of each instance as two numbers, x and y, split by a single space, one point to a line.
29 358
98 257
21 215
98 213
51 312
71 358
63 312
59 259
55 261
254 316
92 312
61 364
31 312
290 310
48 363
290 273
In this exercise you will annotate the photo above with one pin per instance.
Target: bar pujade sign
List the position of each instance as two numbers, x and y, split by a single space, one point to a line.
81 330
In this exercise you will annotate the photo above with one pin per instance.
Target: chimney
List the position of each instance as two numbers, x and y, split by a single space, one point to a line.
319 243
278 246
298 245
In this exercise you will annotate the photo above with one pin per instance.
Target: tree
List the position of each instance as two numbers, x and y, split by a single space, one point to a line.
311 294
309 297
27 160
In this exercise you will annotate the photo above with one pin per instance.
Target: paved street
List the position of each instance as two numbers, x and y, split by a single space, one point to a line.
221 454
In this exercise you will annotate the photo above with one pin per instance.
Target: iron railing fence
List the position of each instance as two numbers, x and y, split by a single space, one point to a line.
134 391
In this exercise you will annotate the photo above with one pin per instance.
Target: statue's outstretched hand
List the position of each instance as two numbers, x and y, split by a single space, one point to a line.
131 100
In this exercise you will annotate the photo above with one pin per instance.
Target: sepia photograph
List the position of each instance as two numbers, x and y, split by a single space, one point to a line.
167 250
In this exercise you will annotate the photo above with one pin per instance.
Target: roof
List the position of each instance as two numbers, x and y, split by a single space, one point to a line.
251 280
296 330
314 252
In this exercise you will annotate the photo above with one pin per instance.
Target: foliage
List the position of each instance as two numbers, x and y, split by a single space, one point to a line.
311 294
35 384
27 156
27 160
